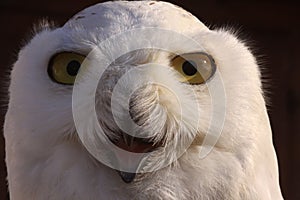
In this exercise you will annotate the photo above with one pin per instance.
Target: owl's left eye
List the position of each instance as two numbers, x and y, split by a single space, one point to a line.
63 67
195 68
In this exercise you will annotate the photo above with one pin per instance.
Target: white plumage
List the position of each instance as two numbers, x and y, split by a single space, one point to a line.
48 157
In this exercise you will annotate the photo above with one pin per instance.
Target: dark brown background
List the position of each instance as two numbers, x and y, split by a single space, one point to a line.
271 26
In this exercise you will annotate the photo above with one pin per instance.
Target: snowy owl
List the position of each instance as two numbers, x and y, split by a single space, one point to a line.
138 100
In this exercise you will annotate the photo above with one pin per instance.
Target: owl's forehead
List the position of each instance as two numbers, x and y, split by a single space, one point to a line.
115 17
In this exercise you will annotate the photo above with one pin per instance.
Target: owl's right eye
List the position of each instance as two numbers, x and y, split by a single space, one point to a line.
195 68
63 67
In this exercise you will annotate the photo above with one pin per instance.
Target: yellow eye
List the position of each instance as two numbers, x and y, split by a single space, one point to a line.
63 67
195 68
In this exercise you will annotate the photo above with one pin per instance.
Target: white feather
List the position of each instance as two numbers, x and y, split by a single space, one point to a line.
46 159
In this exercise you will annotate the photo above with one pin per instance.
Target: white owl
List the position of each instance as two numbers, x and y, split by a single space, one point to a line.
138 100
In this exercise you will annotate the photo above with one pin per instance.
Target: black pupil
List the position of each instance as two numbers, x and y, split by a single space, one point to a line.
73 67
188 68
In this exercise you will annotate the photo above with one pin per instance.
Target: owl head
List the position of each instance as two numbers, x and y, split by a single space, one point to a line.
140 89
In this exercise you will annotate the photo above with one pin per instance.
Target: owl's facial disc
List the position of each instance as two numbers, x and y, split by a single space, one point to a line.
145 109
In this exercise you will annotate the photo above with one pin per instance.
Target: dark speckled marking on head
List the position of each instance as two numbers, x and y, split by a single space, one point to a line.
79 17
151 3
185 15
93 13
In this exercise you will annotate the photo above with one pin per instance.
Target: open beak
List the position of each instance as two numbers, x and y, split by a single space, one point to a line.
137 146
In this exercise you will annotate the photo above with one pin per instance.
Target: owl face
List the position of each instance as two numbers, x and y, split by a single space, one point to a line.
133 91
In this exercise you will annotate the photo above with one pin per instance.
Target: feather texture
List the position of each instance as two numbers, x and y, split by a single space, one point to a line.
47 158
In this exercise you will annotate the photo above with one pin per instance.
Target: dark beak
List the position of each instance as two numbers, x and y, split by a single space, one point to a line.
127 177
134 145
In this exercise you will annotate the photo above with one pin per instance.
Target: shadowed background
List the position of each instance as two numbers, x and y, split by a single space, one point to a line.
271 27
